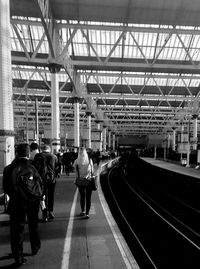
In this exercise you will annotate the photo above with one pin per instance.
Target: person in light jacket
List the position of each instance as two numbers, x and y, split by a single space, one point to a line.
84 169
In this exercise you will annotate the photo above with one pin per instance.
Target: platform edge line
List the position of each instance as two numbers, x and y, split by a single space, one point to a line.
127 256
68 237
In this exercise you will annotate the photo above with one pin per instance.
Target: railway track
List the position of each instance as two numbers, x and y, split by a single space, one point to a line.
161 230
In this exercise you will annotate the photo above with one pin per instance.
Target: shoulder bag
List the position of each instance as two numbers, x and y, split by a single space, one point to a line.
81 181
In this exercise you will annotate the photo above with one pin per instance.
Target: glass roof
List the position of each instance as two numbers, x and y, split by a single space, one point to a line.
115 43
139 45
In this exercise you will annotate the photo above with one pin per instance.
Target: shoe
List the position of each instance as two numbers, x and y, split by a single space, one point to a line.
82 214
44 220
35 251
19 262
87 216
51 215
44 215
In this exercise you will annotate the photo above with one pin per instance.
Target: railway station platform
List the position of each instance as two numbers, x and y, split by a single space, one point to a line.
177 168
71 241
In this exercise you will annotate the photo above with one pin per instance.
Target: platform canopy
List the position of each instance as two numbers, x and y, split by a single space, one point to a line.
135 64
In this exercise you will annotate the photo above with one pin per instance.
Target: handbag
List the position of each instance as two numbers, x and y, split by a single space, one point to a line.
93 183
81 181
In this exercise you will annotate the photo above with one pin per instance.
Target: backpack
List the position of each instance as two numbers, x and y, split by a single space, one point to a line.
42 164
50 176
27 182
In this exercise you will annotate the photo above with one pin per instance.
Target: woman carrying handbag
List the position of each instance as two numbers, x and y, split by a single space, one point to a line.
84 173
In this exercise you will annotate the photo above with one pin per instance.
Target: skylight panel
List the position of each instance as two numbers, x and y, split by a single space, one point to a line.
132 52
177 53
127 52
15 74
151 82
106 49
172 53
36 76
97 49
117 52
183 54
153 38
176 42
138 37
98 34
111 37
137 81
161 82
145 39
149 52
180 83
194 83
103 37
186 39
196 43
92 36
63 77
78 37
196 56
161 40
44 48
187 82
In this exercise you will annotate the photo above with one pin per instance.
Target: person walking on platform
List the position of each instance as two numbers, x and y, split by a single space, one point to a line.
84 169
48 168
98 156
34 150
23 185
67 161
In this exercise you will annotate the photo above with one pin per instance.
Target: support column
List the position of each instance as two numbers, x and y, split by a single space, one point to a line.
36 122
104 138
76 122
195 131
99 128
182 129
7 152
165 147
113 145
168 140
55 109
174 139
109 139
117 142
88 114
155 152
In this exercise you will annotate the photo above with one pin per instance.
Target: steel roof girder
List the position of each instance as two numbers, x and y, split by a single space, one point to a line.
47 19
170 66
106 27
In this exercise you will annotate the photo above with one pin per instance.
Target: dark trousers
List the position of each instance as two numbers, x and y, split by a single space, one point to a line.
49 198
85 198
18 214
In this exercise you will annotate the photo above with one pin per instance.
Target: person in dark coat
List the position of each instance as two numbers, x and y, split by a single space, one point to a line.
67 161
98 156
19 208
49 185
34 148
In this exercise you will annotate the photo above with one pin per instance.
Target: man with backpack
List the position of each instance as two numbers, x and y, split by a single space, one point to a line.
23 184
48 167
